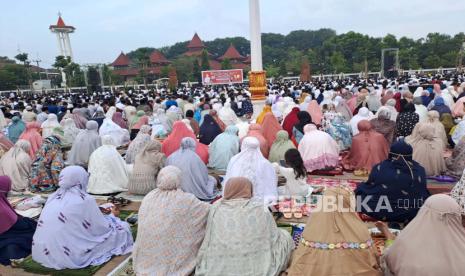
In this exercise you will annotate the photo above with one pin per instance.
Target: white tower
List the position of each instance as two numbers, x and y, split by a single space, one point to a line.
62 31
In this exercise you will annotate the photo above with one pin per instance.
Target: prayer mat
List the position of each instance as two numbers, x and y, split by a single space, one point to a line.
332 182
333 172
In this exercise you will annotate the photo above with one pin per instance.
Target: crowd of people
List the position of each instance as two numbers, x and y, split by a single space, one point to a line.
165 145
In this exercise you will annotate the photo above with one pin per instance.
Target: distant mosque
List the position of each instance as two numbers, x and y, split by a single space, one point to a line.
127 69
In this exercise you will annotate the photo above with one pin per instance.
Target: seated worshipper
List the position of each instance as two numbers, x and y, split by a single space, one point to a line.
295 174
305 100
290 120
433 120
16 164
72 232
335 240
281 145
194 124
438 232
173 141
256 130
270 126
440 106
85 144
242 236
396 186
363 114
70 131
217 119
455 164
428 149
209 129
107 169
49 125
318 150
47 166
98 116
458 132
147 164
28 115
136 146
161 247
420 109
15 129
79 118
391 105
251 164
223 148
368 149
314 109
119 135
227 114
195 178
137 122
406 121
5 144
340 131
458 192
384 125
117 118
298 129
342 108
15 231
266 109
32 135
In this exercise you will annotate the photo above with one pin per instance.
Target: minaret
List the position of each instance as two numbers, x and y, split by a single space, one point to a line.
257 78
62 31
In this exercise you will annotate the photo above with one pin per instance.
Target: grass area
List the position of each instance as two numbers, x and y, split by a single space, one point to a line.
29 265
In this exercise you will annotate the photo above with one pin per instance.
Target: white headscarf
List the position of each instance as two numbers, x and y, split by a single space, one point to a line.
227 114
49 125
251 164
108 172
363 114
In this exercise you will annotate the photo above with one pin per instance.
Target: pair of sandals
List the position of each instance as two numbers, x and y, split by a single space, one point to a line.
120 201
289 211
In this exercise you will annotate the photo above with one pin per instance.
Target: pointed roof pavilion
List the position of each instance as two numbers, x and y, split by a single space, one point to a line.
61 25
232 54
156 57
195 43
121 60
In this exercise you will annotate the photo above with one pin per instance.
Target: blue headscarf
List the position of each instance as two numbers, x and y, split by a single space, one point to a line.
223 148
16 129
438 101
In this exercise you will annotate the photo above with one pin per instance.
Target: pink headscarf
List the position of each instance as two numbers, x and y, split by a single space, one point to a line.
368 148
79 119
173 141
144 120
270 128
458 108
117 118
32 135
7 214
255 130
315 111
5 143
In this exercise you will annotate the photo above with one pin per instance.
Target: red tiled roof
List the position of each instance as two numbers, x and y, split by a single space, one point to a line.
231 53
121 60
61 24
158 58
195 42
248 60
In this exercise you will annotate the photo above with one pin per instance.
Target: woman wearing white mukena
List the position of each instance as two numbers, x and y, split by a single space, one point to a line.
251 164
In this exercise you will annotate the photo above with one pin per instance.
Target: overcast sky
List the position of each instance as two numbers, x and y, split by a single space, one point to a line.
106 27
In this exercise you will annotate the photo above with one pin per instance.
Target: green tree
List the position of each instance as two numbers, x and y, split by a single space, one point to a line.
338 62
204 61
282 69
226 64
196 73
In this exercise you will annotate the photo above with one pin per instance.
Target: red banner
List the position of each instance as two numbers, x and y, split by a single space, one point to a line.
214 77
